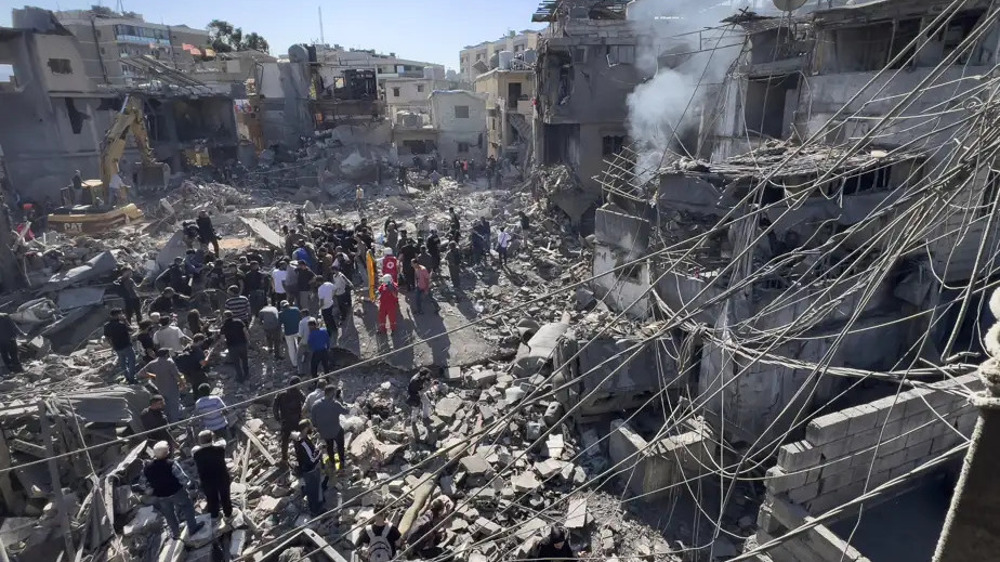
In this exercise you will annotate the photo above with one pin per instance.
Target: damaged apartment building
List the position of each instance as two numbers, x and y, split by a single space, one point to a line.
57 112
837 240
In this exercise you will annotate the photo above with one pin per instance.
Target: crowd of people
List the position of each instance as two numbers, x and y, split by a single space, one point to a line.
301 304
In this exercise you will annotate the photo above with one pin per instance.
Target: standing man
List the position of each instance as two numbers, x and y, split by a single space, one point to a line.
305 355
117 333
170 337
255 284
325 415
342 288
9 330
303 279
237 341
273 329
359 199
206 233
423 285
125 286
168 382
210 459
388 304
289 318
154 422
503 244
287 409
319 347
325 292
278 277
308 469
434 249
166 481
211 410
408 253
237 305
390 265
454 259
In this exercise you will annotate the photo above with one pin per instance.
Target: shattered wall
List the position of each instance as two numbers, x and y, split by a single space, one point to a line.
284 89
621 239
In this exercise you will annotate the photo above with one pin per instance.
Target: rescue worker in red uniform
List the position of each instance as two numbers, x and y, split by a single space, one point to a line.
388 303
390 266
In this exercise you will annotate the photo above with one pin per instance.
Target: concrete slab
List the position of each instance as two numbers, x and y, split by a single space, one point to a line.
69 299
264 232
460 348
98 266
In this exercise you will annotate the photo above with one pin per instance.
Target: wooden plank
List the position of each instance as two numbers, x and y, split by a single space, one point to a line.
260 446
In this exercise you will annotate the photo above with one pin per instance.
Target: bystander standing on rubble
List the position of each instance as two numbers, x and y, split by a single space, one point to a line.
126 289
9 330
308 457
359 199
327 302
289 316
165 480
168 381
238 305
195 325
305 355
391 237
170 336
503 245
427 533
175 277
304 256
423 286
388 304
380 540
206 233
145 339
408 253
118 334
454 259
304 286
325 415
390 265
287 411
319 349
273 330
154 422
213 475
317 393
433 244
342 294
417 396
211 410
237 337
278 276
168 301
190 231
255 285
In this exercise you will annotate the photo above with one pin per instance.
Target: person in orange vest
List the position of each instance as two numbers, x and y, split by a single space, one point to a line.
388 303
390 265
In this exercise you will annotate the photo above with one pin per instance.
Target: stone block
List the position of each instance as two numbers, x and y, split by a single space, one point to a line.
828 546
905 467
926 433
828 428
787 513
483 379
766 520
887 462
862 418
797 456
778 481
805 493
945 441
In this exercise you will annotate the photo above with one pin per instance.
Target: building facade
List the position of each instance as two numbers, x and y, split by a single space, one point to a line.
475 60
459 117
510 109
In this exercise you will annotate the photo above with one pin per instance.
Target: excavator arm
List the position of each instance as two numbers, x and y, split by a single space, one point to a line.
129 120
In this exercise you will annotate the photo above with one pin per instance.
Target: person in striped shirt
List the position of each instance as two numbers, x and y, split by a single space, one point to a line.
238 305
211 411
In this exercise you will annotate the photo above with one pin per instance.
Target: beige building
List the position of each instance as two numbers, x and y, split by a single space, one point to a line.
107 37
510 110
335 60
460 120
475 59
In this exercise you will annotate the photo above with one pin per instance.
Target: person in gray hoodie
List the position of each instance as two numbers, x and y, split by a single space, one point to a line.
325 415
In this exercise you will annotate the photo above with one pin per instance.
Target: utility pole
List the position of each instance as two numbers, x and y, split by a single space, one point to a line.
970 534
57 492
322 37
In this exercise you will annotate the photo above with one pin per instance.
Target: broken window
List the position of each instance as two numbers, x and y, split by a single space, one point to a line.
60 66
7 73
580 54
612 145
76 118
463 147
395 92
621 54
872 180
420 88
461 112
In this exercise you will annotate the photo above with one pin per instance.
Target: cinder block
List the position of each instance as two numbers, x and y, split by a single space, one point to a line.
804 493
945 441
766 520
798 455
837 449
925 433
828 545
835 481
825 502
888 408
787 513
778 481
905 467
833 466
862 458
885 463
918 450
862 418
828 428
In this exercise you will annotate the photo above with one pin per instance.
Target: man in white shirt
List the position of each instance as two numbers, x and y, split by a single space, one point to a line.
170 337
503 244
327 300
341 293
305 355
278 277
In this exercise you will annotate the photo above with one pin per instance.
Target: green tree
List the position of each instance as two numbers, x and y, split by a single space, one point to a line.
224 37
256 42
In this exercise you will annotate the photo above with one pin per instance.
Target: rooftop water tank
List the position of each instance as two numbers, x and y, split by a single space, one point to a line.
505 58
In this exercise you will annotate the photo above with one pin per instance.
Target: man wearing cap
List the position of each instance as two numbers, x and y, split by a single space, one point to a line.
165 480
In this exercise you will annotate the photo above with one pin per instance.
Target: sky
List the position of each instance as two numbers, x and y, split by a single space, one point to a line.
423 30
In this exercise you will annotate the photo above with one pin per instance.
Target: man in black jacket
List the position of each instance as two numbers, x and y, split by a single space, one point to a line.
166 481
288 412
308 457
9 331
154 421
210 458
206 233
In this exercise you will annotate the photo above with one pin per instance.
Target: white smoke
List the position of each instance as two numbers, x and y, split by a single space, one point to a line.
681 58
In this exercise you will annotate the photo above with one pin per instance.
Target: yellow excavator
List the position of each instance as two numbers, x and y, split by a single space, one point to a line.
99 205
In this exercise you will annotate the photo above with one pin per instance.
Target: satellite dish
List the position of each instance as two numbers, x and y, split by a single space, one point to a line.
788 5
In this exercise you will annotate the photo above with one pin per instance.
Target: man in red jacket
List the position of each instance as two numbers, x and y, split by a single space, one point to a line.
390 265
388 303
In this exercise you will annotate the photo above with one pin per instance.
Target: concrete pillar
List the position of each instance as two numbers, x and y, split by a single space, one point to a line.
971 531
